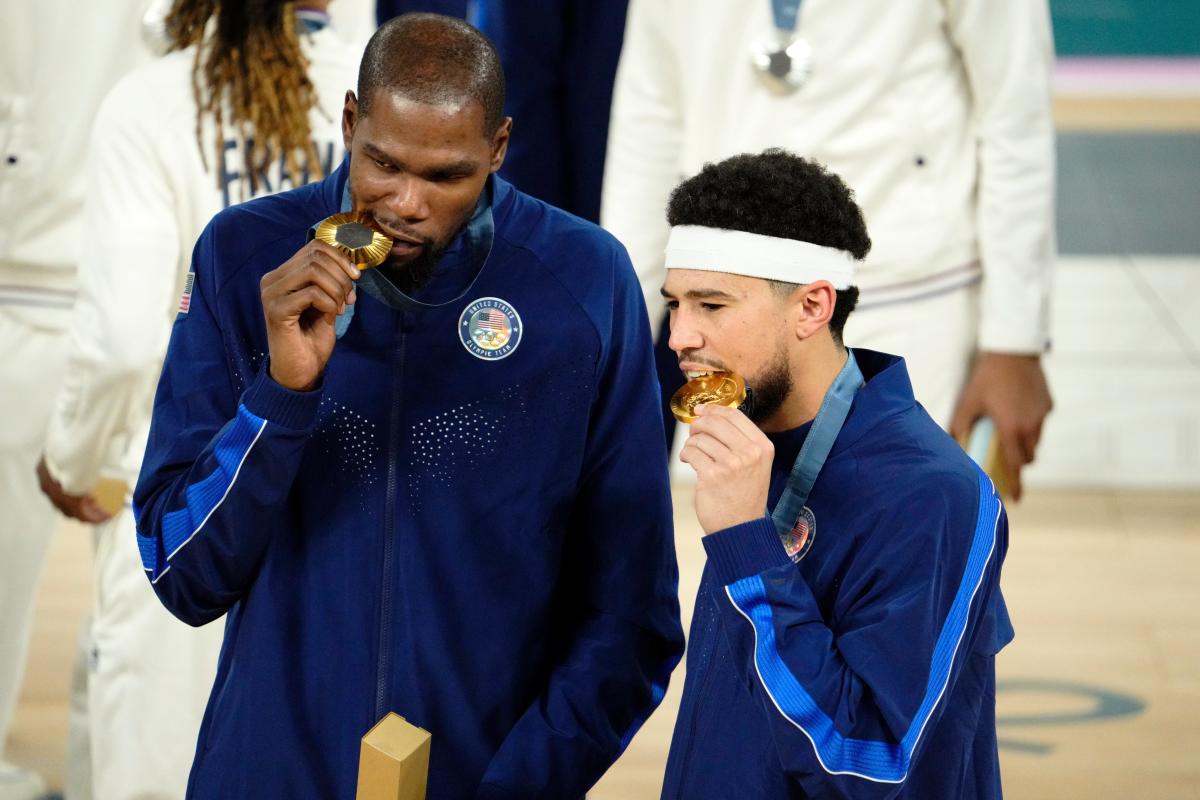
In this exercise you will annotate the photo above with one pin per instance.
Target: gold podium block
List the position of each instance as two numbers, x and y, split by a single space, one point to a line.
109 494
394 761
983 447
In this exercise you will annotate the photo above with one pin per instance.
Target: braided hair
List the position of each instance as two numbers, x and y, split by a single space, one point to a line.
251 65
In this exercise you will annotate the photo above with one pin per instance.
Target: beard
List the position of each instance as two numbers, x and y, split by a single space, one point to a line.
769 390
419 272
416 274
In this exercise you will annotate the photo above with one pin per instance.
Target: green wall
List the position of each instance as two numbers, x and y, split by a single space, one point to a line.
1126 27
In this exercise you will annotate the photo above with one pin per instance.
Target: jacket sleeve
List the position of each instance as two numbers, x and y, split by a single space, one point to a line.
849 693
128 280
1008 53
621 636
645 138
218 467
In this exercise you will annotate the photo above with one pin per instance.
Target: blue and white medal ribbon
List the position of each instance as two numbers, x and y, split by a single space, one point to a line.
825 429
785 61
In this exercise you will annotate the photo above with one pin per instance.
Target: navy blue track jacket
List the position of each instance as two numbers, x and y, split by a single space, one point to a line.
867 670
481 544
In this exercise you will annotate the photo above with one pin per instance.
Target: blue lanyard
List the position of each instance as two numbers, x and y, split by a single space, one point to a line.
786 13
825 429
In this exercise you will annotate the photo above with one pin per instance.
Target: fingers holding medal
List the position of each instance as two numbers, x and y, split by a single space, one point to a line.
303 297
731 456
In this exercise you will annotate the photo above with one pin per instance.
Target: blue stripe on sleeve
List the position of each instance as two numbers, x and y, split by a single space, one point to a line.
148 548
205 496
878 761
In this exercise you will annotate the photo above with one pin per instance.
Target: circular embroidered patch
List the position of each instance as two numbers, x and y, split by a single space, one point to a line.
798 541
490 328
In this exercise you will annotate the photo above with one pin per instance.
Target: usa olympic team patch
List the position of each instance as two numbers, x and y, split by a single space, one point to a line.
490 328
798 541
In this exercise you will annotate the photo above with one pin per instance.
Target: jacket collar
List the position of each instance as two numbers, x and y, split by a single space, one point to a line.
887 392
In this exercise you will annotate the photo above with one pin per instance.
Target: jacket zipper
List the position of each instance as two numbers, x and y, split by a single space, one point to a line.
389 533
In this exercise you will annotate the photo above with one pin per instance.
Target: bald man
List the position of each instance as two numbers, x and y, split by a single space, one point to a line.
435 487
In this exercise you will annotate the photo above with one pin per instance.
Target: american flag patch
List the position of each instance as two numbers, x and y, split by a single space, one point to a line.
492 320
185 299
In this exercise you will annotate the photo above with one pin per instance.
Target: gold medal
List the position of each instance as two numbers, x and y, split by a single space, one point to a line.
351 234
722 388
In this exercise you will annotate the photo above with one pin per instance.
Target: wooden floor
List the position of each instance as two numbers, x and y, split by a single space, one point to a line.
38 736
1099 695
1174 114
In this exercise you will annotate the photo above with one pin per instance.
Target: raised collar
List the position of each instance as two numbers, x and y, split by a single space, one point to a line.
887 392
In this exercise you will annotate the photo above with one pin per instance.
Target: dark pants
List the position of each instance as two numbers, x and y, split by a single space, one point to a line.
386 9
560 61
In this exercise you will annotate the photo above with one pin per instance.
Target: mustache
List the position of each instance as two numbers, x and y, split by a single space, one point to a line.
405 230
686 356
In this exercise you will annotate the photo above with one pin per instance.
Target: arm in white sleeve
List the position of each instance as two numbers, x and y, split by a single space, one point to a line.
1008 53
644 140
128 280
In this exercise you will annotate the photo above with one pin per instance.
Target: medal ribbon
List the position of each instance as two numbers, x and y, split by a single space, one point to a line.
786 14
825 429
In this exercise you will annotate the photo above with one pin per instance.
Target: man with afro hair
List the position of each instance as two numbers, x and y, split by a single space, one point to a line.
844 638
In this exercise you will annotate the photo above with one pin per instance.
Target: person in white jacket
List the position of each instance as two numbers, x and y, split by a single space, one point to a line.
174 142
58 58
937 113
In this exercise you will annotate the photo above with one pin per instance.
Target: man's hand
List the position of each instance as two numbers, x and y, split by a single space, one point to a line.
732 459
301 301
82 507
1011 389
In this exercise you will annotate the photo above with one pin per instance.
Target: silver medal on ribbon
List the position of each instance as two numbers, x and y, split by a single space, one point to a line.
784 63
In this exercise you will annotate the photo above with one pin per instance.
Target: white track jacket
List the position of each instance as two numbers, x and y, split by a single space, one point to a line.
937 113
58 59
150 193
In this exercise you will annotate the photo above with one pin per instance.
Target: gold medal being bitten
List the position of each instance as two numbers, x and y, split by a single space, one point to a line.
351 234
722 388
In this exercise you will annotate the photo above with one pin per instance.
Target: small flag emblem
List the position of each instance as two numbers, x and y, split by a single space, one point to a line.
798 541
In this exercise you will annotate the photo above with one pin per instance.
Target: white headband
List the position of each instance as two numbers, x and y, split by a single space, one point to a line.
758 256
